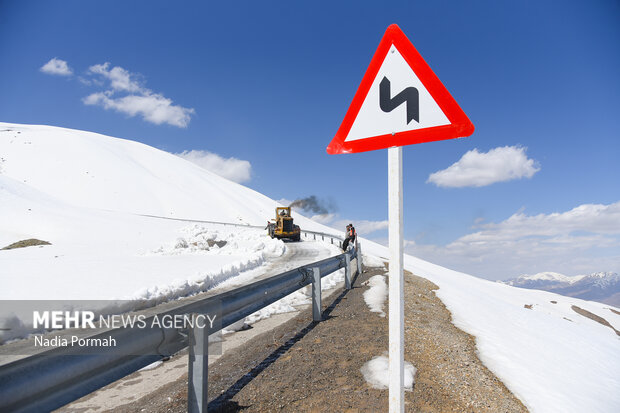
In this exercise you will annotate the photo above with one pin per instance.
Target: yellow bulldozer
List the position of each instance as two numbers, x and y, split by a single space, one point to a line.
283 227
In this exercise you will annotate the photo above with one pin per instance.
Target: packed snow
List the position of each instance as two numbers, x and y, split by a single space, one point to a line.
375 295
87 195
376 373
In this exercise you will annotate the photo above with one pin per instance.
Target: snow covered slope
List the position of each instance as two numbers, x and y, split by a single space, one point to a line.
81 191
85 193
91 170
88 194
547 354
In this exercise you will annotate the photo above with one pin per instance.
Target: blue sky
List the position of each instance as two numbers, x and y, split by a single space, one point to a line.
269 83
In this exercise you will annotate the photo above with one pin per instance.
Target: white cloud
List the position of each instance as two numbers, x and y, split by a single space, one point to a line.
362 227
583 240
56 67
153 108
236 170
593 218
324 219
485 168
125 94
138 100
120 79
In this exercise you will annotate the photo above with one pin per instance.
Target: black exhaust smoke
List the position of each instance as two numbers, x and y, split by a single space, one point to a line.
313 204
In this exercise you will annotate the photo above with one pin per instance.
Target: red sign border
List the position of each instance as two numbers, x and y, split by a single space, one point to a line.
460 125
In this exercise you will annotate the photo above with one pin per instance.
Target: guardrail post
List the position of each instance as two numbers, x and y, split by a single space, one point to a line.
198 368
347 272
316 294
358 255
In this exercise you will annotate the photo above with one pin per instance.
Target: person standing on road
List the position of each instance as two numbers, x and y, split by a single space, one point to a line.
350 236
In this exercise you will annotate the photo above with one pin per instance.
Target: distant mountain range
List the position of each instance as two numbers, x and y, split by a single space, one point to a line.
603 287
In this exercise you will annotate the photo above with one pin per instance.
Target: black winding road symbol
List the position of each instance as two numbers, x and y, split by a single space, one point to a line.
409 95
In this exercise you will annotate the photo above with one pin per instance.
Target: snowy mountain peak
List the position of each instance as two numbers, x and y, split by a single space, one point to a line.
610 275
599 286
603 279
550 276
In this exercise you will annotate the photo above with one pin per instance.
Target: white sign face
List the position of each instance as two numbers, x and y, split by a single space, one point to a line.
396 102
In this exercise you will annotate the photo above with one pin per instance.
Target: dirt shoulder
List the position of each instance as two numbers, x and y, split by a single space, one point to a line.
450 377
305 366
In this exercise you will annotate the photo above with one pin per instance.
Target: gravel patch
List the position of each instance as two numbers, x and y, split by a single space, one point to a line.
31 242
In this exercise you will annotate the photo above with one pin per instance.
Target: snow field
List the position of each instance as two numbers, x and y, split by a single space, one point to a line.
144 279
84 193
91 170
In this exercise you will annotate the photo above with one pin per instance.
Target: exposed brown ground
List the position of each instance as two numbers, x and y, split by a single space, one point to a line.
594 317
25 243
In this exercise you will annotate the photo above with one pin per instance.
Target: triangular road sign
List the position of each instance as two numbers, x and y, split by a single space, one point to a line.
399 102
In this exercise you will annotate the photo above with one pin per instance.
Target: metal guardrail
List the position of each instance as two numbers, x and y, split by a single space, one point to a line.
323 236
51 379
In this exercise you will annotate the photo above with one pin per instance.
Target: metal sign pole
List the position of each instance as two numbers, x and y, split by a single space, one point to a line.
396 370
